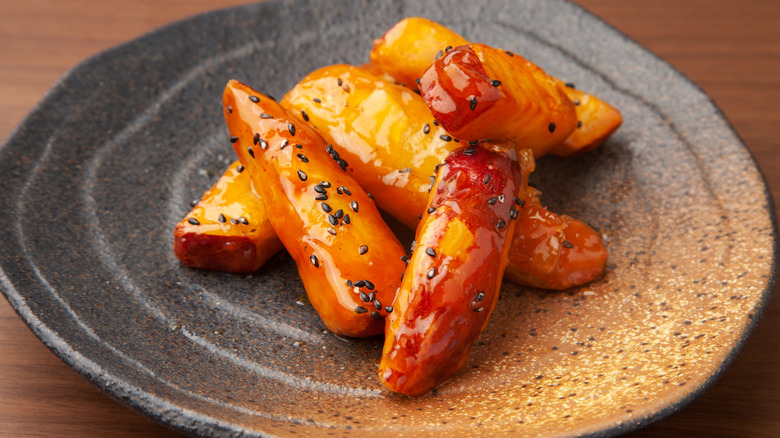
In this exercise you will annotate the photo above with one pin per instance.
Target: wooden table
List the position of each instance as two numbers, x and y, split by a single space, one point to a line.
731 48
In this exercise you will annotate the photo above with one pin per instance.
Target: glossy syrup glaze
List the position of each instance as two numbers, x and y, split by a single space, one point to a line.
451 285
344 251
228 229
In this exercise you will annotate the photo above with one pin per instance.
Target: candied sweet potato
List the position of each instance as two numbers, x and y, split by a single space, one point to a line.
596 121
388 136
347 257
228 229
477 92
451 285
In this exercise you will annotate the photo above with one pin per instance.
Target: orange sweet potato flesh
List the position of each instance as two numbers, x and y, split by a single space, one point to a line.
408 48
343 249
380 129
228 230
477 92
411 46
451 285
596 121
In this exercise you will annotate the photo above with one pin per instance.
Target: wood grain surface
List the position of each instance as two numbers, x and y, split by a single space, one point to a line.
730 48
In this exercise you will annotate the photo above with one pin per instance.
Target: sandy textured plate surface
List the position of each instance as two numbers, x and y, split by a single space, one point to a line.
97 176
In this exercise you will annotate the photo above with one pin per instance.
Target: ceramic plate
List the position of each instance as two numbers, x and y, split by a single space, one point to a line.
96 177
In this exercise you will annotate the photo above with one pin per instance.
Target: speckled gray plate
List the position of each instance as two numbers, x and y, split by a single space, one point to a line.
96 177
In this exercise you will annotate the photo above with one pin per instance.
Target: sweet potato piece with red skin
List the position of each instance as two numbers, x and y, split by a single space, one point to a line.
407 49
242 242
596 121
477 92
451 285
551 251
411 46
345 241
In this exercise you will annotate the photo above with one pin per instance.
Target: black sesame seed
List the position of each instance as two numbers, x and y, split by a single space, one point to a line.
302 175
431 273
513 212
439 54
318 189
304 159
332 231
377 305
243 220
426 128
193 221
495 83
363 249
419 216
576 102
469 151
480 295
472 102
194 202
509 53
520 202
492 201
251 152
233 139
487 179
317 100
299 146
570 85
389 309
266 116
364 296
567 244
370 196
314 261
342 164
479 309
221 218
445 137
418 80
405 259
326 207
354 206
436 122
321 197
332 219
234 221
501 198
473 142
372 296
254 99
346 218
501 224
405 170
339 82
270 97
369 285
345 190
291 128
414 243
579 123
304 115
360 309
431 209
349 283
376 315
339 214
359 283
430 251
230 109
240 168
551 127
325 184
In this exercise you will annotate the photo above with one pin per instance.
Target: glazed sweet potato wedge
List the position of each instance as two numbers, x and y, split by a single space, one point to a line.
347 257
551 251
228 229
408 48
477 92
596 121
451 285
389 138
